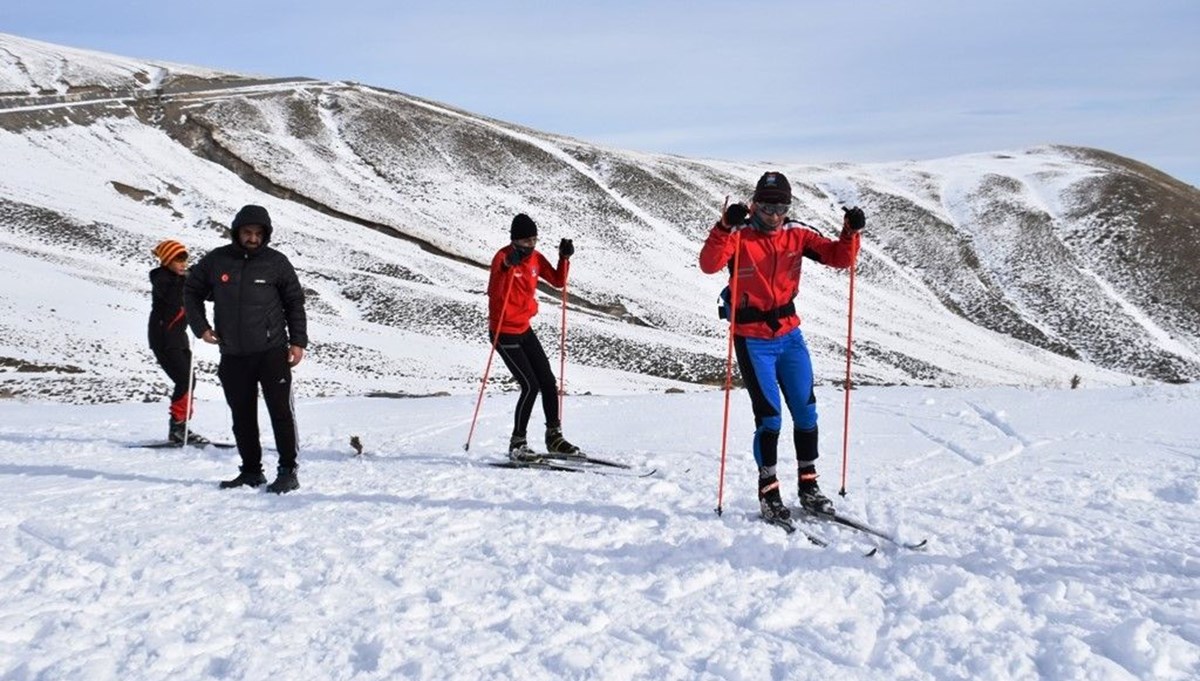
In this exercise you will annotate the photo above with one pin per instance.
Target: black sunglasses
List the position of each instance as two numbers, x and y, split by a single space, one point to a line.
772 208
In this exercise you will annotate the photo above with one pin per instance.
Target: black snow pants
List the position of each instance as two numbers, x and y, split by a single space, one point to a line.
525 358
241 375
176 362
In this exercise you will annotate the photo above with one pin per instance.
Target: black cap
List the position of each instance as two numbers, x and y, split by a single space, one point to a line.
773 188
523 227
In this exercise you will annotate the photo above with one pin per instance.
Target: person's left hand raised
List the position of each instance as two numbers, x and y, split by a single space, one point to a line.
855 219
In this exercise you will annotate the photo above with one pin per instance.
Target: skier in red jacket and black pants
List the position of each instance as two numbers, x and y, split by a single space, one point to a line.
771 352
512 302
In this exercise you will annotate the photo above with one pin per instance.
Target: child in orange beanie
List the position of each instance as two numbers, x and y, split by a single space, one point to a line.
168 335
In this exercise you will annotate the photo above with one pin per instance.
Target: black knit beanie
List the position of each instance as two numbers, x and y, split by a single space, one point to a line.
523 227
773 188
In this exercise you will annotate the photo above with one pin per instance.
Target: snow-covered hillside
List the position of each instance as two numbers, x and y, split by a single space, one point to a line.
976 270
1062 530
1061 524
33 68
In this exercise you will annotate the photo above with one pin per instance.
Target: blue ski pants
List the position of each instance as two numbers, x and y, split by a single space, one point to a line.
773 368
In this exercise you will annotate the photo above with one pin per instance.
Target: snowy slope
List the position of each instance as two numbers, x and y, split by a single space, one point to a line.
32 67
391 207
1062 525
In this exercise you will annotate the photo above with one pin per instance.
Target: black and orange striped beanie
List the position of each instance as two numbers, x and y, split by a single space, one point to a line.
168 250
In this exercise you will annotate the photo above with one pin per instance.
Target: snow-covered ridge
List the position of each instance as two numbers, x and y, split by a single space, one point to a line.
31 67
976 269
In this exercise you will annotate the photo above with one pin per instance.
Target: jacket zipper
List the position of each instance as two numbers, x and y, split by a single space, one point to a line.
242 292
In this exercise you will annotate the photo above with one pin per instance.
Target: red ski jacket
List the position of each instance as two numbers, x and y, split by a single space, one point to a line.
769 271
520 283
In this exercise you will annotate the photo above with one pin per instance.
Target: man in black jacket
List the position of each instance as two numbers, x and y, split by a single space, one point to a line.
260 325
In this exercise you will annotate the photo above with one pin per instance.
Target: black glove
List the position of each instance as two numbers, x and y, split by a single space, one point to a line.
566 249
735 216
854 218
516 255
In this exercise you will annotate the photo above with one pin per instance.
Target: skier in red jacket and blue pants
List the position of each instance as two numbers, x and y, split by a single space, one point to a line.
772 356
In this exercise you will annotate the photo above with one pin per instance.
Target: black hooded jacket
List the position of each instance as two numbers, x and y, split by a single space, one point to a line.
258 303
167 329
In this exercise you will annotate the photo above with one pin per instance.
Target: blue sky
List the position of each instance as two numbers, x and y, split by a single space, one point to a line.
796 81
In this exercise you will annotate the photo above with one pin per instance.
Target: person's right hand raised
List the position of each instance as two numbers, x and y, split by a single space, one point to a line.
516 255
735 216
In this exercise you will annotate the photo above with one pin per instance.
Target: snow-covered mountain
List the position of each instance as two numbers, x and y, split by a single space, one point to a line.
1027 267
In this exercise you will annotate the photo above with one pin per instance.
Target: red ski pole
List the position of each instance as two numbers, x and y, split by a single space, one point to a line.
737 243
488 367
846 415
562 352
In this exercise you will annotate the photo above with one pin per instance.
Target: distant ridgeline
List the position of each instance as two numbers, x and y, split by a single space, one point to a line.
1031 267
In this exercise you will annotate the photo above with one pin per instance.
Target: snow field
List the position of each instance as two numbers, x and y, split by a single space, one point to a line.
1063 532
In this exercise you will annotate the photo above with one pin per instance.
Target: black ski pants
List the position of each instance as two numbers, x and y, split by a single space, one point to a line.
241 375
177 362
523 355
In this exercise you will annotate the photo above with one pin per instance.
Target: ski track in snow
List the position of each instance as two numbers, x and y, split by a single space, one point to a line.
1063 533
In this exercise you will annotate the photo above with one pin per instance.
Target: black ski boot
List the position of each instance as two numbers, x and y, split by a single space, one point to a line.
285 481
246 478
770 501
175 434
518 450
811 498
175 431
556 444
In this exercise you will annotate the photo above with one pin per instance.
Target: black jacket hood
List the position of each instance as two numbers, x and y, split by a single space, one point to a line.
251 215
